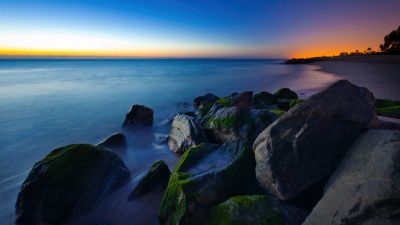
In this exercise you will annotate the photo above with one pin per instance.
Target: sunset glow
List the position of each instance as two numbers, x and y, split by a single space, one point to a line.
161 29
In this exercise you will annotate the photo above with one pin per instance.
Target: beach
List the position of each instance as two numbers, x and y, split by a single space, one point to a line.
380 74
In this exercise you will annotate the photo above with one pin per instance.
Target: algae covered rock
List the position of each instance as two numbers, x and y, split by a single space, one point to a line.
245 210
185 133
228 124
116 142
138 116
389 108
205 175
263 100
365 189
156 177
68 182
307 143
206 100
285 93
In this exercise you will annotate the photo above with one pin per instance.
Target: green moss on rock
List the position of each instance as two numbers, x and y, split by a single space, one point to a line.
295 102
389 108
226 101
263 99
245 210
278 112
192 191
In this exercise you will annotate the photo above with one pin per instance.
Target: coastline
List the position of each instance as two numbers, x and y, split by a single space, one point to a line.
379 73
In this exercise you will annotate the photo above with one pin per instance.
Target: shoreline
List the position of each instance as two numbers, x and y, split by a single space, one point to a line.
380 73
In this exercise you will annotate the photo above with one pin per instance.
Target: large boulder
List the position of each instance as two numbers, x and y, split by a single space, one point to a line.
138 116
245 210
185 133
204 176
156 177
68 182
244 100
307 143
365 189
228 124
116 142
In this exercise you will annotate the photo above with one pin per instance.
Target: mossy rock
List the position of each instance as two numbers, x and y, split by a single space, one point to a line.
389 108
204 176
226 101
277 112
295 102
229 124
263 100
68 182
245 210
156 177
285 93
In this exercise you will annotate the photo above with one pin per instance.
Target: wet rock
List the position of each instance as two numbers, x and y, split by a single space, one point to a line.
263 100
206 100
68 182
365 189
388 108
307 143
285 93
244 100
156 178
138 116
204 176
243 210
185 133
229 124
116 142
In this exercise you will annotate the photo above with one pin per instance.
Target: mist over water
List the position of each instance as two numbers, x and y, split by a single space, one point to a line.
45 104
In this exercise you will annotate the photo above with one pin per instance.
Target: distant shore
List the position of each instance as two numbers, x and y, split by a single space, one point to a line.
379 73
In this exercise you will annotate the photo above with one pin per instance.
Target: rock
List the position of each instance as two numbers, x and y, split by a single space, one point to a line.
262 119
68 182
185 133
156 177
206 100
307 143
204 176
263 100
116 142
138 116
365 189
228 124
244 100
388 108
245 210
285 93
283 104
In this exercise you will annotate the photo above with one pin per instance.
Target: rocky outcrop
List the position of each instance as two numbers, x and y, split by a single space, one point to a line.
116 142
205 175
156 177
307 143
365 189
263 100
228 124
138 116
68 182
243 210
206 100
185 133
285 93
244 100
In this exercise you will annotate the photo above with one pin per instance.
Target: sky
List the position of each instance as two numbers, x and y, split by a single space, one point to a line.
199 28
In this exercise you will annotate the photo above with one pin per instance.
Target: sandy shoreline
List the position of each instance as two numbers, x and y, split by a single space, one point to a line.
380 74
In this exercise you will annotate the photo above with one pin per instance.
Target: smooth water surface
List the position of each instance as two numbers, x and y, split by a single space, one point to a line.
45 104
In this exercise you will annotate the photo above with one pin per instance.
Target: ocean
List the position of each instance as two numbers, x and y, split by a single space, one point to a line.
45 104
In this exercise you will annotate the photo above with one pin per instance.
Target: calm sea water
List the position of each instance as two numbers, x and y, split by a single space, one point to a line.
45 104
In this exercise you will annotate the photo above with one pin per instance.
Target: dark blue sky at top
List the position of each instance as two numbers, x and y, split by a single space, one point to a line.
269 24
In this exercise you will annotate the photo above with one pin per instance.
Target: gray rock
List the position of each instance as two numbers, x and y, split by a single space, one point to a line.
307 143
185 133
229 124
244 100
116 142
156 177
138 116
67 183
365 189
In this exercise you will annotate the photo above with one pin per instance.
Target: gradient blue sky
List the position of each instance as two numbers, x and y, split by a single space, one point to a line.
278 28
